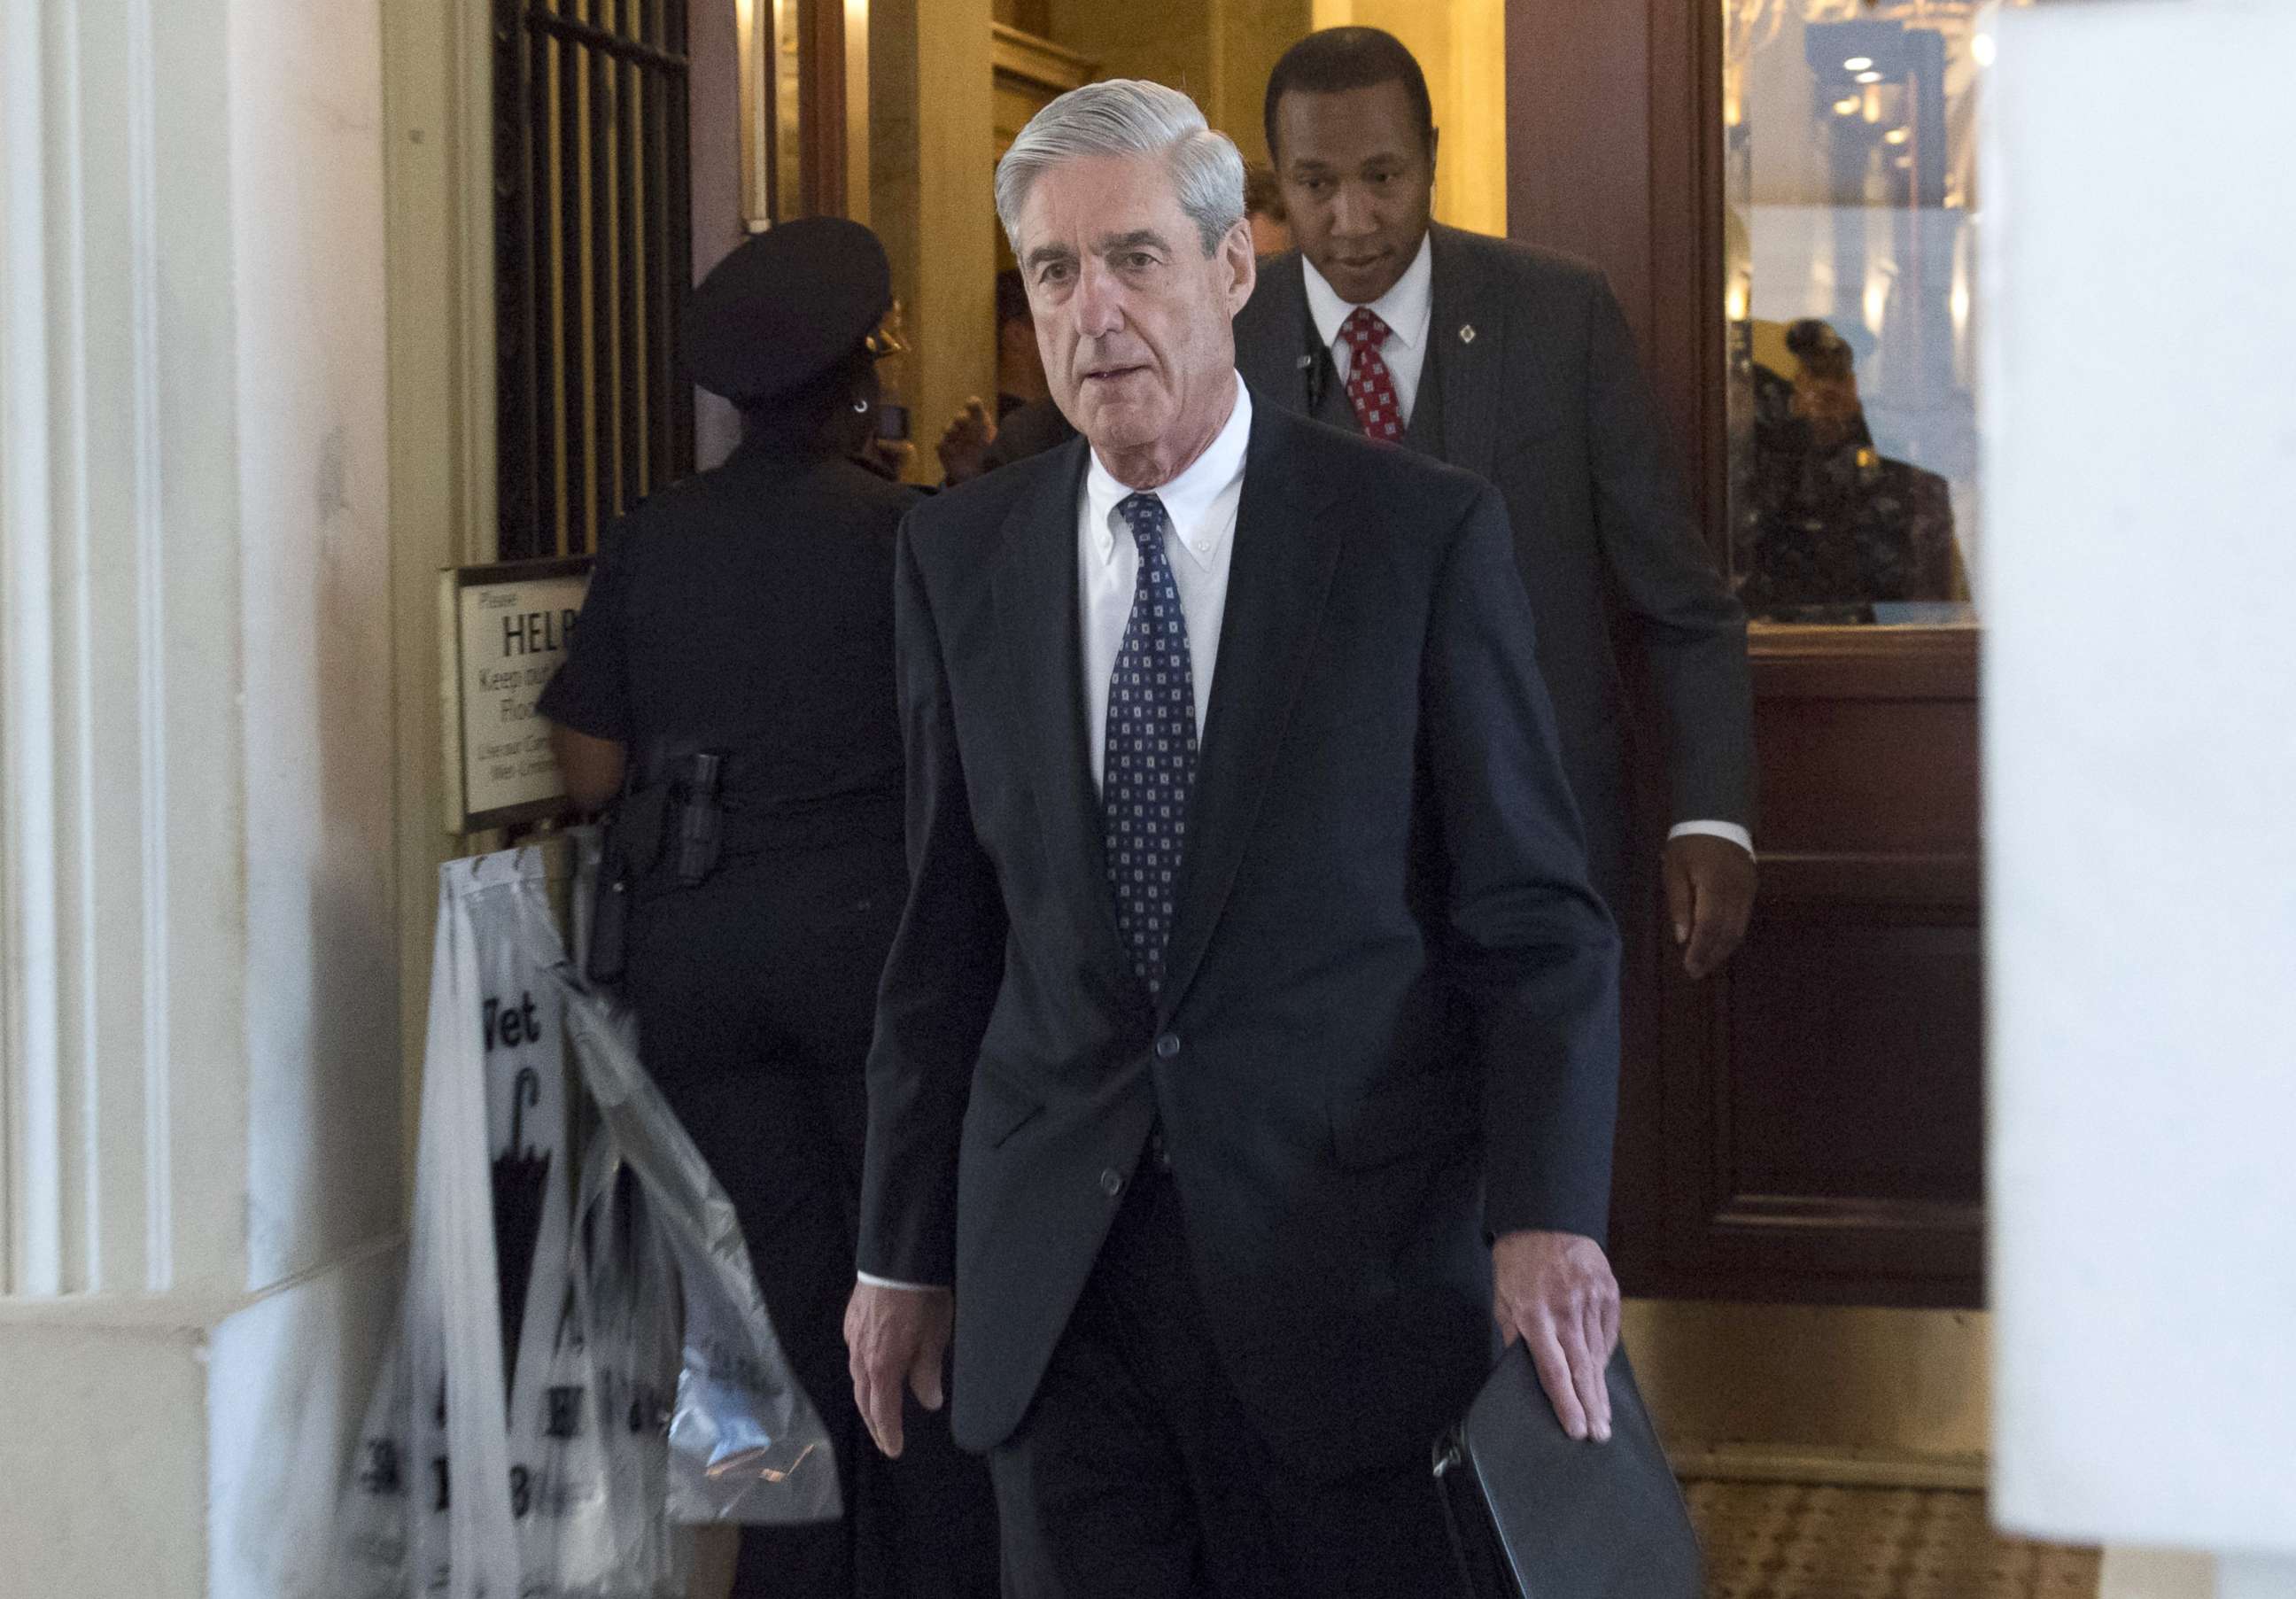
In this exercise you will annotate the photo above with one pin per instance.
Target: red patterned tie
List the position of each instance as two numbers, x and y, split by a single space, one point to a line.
1370 387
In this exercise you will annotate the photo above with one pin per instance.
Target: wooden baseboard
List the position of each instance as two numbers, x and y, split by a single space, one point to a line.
1830 1467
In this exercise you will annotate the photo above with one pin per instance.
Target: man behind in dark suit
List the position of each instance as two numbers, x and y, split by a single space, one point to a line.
1516 364
1245 1086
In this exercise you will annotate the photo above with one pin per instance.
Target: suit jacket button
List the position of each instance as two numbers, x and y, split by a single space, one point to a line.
1111 1182
1167 1046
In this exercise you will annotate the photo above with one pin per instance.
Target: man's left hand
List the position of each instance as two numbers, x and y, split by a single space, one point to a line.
1554 1291
1709 897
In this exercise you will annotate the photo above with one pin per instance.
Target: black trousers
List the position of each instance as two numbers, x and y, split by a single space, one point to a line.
1138 1475
755 996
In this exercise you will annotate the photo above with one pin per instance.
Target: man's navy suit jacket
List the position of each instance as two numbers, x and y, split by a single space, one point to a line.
1389 1025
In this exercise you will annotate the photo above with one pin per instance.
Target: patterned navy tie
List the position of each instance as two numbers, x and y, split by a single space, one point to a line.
1151 756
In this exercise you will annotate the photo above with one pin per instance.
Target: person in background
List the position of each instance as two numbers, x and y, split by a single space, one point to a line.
1027 420
1515 364
1020 364
1828 525
1263 207
737 648
1246 1067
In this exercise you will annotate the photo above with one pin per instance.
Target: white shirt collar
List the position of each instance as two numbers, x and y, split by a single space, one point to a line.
1407 308
1189 499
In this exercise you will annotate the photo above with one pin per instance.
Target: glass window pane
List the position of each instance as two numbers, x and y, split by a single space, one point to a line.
1851 192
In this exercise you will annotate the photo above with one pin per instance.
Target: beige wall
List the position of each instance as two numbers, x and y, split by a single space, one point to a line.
932 165
1218 51
1252 36
1172 43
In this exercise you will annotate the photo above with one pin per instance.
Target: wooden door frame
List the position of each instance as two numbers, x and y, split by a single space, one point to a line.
1615 153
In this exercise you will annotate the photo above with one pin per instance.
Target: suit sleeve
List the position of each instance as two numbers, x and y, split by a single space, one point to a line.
1530 945
941 978
1692 627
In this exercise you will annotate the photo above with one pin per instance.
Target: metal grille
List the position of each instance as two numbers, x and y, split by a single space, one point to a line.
593 252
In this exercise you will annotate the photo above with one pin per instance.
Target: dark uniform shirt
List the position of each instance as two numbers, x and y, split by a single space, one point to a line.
748 609
1822 534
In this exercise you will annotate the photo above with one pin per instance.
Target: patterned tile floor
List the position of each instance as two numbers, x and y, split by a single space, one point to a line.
1768 1540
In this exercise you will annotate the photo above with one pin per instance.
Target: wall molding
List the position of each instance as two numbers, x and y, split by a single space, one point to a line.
438 61
121 991
30 1046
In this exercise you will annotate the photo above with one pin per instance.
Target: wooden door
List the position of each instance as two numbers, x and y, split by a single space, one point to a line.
1807 1127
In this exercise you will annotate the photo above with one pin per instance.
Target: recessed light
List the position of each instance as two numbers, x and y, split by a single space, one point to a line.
1846 107
1869 78
1859 64
1982 47
1897 135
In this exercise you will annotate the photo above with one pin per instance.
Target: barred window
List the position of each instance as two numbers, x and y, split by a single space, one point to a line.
593 252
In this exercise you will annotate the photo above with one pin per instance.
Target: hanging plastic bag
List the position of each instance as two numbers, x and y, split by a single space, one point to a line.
533 1435
626 1310
371 1527
449 1496
428 1510
745 1444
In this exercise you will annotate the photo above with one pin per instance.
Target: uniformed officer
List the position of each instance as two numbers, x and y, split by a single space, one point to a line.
1826 525
736 658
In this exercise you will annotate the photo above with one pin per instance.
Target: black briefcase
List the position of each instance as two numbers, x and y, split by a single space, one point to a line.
1536 1515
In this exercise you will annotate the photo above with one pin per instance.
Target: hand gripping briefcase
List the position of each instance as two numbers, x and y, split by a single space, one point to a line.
1535 1514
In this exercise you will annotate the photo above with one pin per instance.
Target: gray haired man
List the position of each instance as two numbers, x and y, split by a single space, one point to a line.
1246 1061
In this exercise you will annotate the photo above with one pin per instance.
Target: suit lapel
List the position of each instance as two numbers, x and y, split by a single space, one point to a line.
1466 338
1035 590
1278 577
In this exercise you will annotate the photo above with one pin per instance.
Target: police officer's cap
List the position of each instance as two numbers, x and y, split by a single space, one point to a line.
784 306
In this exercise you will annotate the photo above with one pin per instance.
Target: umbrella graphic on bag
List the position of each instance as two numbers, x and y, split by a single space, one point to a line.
522 1176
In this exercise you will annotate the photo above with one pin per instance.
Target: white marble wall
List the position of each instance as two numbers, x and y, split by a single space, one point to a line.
199 1169
2140 775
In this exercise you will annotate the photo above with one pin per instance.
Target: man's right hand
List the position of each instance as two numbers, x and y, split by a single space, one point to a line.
963 446
895 1336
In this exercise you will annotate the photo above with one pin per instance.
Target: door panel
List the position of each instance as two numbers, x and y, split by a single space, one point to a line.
1807 1127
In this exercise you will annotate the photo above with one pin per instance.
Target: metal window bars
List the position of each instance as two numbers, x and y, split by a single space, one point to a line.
594 253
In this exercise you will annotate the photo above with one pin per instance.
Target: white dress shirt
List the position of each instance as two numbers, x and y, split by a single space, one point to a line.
1408 309
1200 505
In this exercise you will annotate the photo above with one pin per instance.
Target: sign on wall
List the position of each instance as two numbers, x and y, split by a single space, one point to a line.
503 629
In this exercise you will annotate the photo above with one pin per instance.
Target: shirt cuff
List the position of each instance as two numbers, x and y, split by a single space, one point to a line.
1715 830
877 1281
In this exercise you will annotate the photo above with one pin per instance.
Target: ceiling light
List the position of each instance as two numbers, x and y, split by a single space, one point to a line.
1869 78
1859 64
1846 107
1897 135
1982 47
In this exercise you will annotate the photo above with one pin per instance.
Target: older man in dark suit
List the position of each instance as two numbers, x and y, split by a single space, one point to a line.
1247 1058
1516 364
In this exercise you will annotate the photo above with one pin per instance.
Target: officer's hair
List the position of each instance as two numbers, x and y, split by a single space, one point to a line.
1126 116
